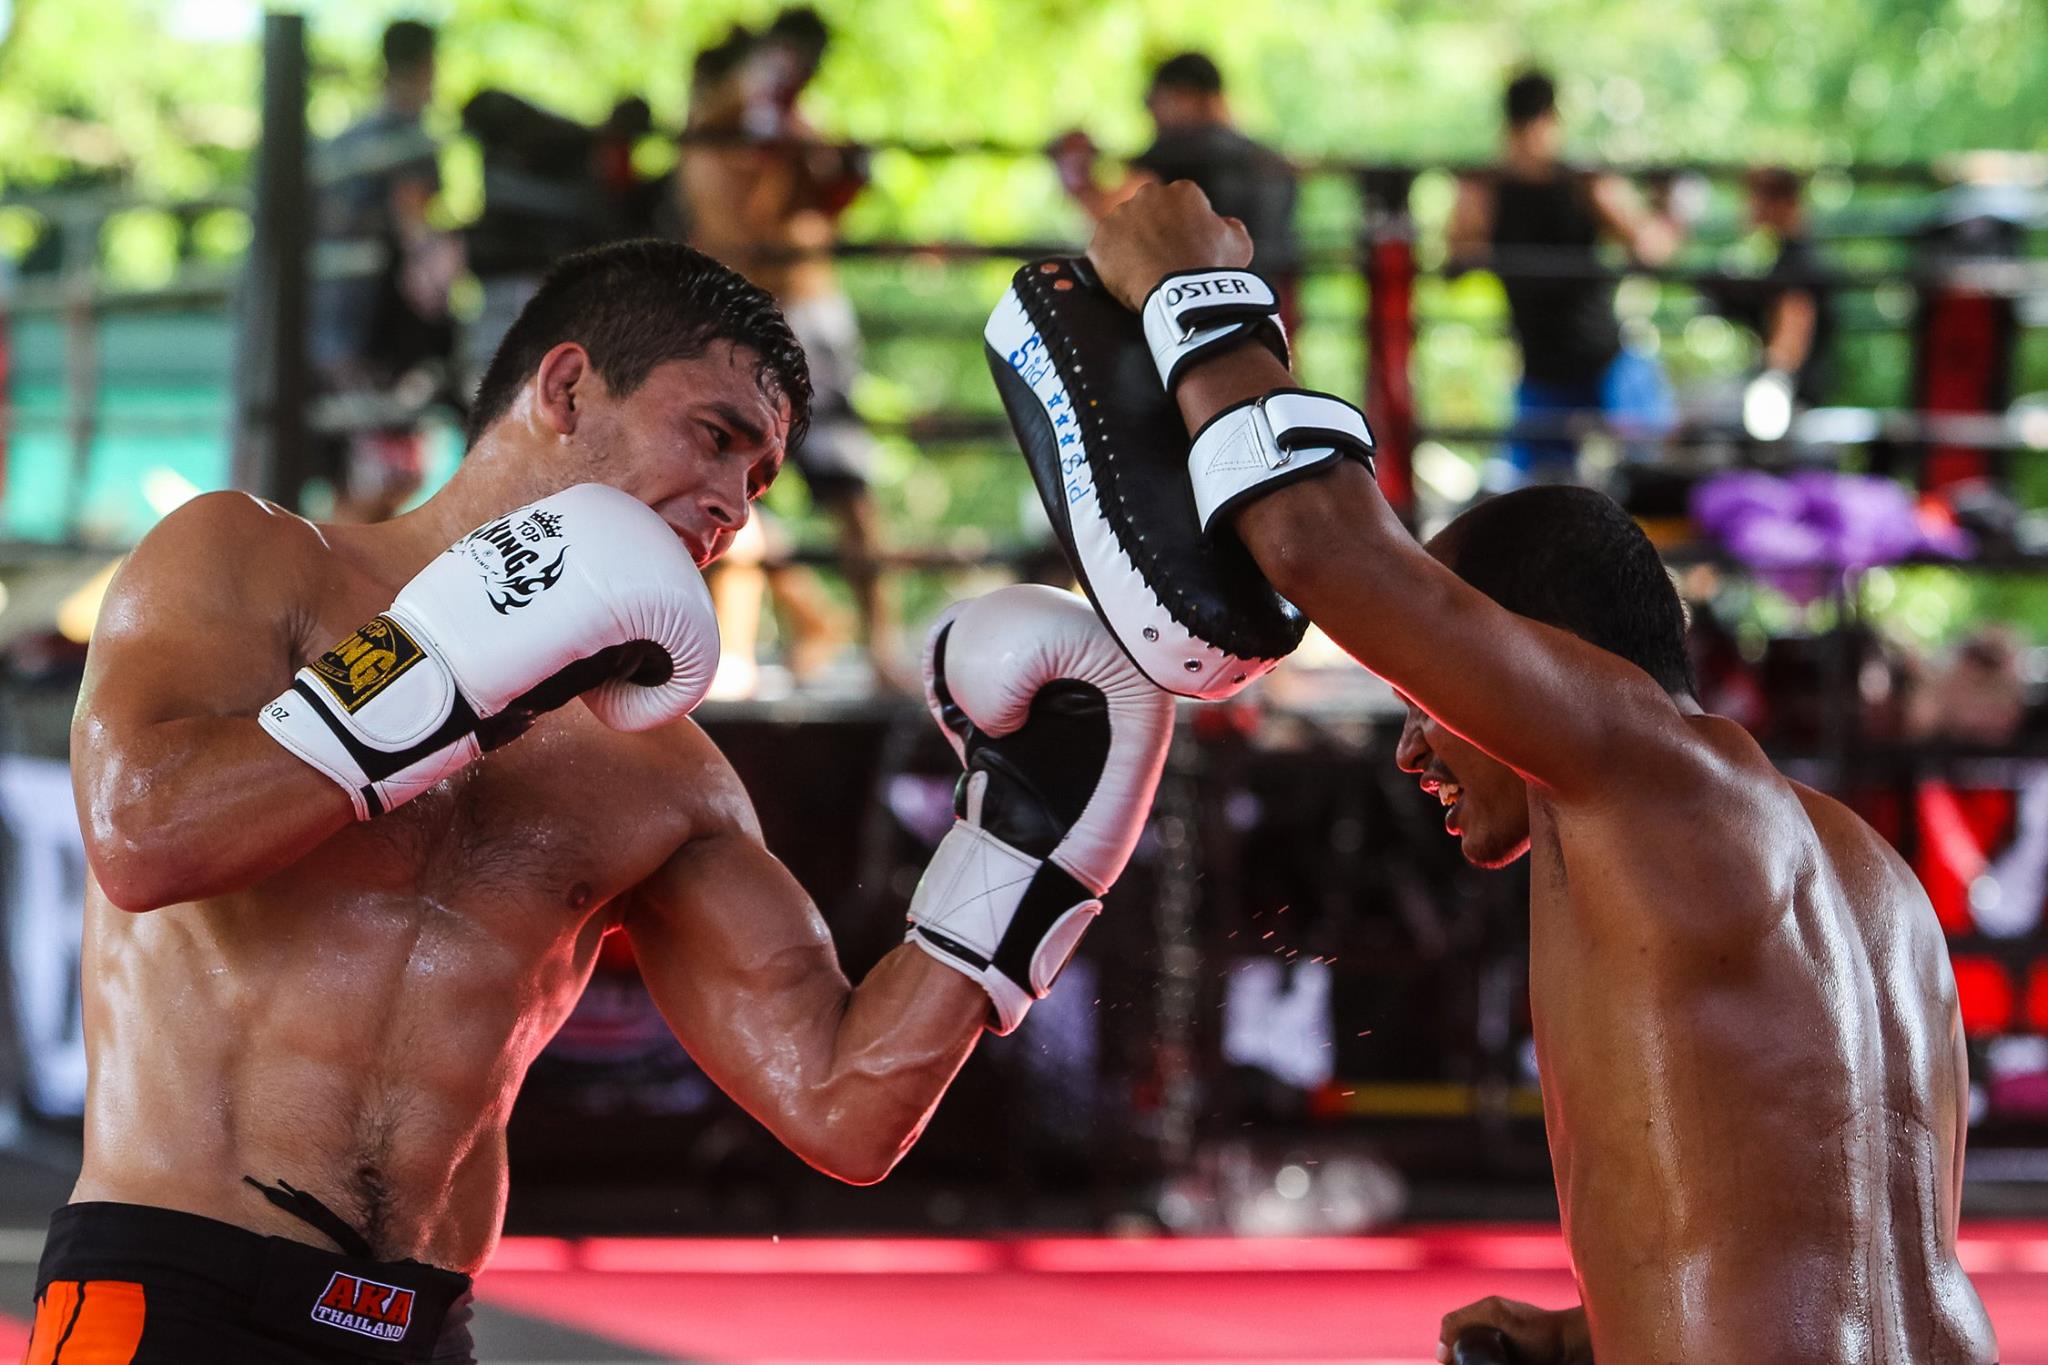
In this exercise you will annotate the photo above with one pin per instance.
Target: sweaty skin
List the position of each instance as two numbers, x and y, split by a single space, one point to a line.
272 990
1754 1081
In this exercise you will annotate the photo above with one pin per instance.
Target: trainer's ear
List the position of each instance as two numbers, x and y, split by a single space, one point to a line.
561 387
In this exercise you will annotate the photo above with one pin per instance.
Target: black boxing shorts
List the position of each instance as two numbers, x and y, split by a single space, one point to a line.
147 1286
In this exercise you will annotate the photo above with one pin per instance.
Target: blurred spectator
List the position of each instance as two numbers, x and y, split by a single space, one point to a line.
1196 139
381 329
551 186
760 191
1790 308
1537 222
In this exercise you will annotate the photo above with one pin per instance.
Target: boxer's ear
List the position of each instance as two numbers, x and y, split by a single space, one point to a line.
562 386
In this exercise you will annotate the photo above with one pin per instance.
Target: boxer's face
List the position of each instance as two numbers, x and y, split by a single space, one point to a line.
1486 803
698 441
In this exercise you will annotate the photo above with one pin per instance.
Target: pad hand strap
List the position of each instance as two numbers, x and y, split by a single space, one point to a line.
1195 313
1251 448
1008 920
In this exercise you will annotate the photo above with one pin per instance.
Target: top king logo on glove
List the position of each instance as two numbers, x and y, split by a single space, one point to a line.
365 662
510 551
365 1307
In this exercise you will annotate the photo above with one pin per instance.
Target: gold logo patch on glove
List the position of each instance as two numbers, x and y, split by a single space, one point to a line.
366 661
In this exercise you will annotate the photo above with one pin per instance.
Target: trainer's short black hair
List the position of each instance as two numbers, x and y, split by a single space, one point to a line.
408 45
1571 558
1529 96
1189 71
636 305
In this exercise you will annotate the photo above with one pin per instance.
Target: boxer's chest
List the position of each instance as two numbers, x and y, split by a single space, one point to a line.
531 838
551 826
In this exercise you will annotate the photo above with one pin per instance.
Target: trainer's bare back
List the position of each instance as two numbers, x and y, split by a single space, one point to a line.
1752 1063
358 1023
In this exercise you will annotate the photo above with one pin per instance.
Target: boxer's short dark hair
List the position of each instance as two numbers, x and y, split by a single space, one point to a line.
1571 558
636 305
408 45
1530 96
1190 71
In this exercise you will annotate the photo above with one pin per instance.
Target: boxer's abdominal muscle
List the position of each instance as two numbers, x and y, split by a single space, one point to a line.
359 1025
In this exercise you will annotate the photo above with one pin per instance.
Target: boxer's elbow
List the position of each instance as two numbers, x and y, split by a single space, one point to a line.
860 1136
858 1158
119 854
134 873
128 878
138 857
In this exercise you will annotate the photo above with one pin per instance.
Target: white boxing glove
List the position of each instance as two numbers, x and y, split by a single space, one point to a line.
588 593
1063 740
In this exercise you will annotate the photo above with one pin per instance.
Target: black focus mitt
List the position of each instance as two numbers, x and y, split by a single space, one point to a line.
1109 453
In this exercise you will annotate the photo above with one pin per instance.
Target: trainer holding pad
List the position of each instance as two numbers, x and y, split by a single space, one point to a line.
588 592
1089 388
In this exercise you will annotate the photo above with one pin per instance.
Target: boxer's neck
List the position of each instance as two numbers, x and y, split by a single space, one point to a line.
495 476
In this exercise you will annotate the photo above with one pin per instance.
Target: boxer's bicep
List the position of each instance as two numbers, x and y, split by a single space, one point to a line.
180 793
743 968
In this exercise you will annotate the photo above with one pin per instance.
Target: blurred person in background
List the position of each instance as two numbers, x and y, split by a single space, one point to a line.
382 334
1197 139
758 190
552 187
1791 307
1537 221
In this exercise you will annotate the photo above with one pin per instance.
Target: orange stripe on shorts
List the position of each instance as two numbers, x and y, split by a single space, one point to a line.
89 1322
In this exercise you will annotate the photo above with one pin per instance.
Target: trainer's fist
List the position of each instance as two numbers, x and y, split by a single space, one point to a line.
1063 739
1160 230
588 592
1476 1334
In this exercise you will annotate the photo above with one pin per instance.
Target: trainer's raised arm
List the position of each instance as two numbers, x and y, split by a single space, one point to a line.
1272 464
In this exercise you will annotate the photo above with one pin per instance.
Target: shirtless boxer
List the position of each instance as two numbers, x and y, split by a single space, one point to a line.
1753 1071
325 935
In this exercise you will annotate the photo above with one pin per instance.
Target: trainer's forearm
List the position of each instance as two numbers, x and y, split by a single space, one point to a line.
196 807
1294 532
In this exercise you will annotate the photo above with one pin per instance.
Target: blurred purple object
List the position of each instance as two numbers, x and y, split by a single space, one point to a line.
1799 532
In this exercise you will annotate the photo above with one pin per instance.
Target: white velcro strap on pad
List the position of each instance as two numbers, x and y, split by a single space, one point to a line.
1276 438
1192 313
1311 419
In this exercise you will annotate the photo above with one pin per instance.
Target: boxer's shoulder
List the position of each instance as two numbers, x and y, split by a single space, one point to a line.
235 524
218 558
230 542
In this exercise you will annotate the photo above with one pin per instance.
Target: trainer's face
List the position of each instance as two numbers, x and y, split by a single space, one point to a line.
698 441
1486 803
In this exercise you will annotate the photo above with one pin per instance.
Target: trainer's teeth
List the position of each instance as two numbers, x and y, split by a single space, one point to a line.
1449 794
